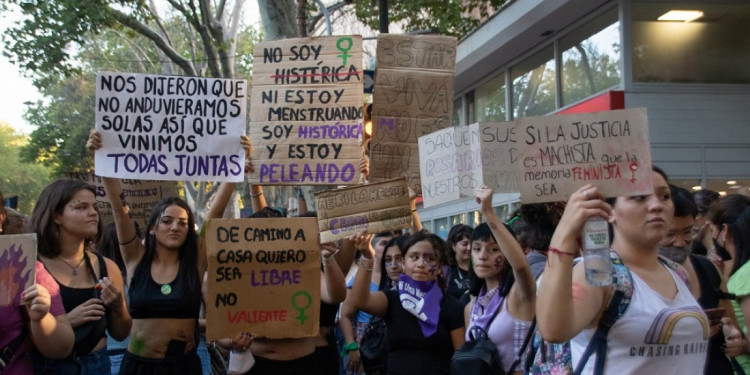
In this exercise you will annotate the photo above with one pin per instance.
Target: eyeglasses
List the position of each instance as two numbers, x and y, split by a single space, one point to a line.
687 236
428 259
395 261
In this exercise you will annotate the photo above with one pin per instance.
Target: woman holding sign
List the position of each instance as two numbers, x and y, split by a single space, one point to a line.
38 322
66 221
164 278
662 316
502 287
425 325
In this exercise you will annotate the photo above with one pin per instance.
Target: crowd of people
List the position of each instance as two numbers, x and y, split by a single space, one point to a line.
129 301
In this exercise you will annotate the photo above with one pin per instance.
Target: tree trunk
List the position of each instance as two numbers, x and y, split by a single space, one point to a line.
278 18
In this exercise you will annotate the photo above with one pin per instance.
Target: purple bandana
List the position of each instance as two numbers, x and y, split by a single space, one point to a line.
421 299
486 305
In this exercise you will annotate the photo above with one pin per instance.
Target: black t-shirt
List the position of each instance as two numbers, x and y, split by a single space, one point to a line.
412 353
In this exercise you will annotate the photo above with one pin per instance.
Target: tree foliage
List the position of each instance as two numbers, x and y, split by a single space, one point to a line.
447 17
19 178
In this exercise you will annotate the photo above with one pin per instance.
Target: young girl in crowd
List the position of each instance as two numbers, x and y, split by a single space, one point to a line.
569 309
392 262
459 259
66 221
425 326
502 286
39 322
729 219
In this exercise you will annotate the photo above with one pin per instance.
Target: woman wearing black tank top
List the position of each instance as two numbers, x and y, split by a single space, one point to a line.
66 220
164 277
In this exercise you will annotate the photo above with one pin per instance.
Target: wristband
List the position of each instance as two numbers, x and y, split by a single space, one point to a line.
559 253
348 348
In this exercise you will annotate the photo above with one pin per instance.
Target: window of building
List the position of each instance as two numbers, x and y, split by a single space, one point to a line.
457 111
591 58
490 100
457 219
686 52
441 227
470 109
534 84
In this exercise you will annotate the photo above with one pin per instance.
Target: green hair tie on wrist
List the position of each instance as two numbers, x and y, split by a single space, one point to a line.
348 348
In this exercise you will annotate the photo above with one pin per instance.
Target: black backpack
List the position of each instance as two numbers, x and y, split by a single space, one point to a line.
478 355
374 347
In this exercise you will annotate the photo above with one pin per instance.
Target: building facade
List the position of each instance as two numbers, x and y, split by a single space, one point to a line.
538 57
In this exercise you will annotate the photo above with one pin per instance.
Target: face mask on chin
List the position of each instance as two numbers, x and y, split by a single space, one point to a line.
676 254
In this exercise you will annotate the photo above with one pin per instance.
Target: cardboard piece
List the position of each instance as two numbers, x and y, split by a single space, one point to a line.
413 96
454 161
17 266
140 195
263 277
306 111
373 207
559 154
170 127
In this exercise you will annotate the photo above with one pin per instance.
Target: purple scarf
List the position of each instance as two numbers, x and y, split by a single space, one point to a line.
486 305
421 299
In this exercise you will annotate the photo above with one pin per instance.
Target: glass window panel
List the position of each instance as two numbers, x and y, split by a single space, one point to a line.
441 227
470 109
534 85
490 100
502 212
427 225
474 219
457 112
711 49
591 58
457 219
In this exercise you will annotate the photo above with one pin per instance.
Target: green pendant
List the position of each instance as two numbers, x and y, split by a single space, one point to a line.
166 289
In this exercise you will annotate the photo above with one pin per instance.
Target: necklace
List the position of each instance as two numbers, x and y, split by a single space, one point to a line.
74 268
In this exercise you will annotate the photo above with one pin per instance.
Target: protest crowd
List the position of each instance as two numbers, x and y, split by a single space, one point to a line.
515 296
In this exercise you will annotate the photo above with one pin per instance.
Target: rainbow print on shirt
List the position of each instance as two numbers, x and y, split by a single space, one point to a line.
661 329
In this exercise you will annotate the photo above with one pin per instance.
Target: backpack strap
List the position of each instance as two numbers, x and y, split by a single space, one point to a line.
619 302
678 269
529 336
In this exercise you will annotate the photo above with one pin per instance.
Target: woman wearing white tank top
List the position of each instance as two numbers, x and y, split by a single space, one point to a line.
664 330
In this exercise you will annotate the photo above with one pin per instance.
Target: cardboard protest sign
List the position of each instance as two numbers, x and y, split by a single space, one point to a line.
559 154
374 207
413 96
306 111
263 277
17 266
140 195
454 161
170 127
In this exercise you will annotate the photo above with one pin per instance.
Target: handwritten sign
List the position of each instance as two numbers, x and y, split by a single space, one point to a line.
306 112
454 161
170 127
413 96
373 207
140 195
263 277
17 266
559 154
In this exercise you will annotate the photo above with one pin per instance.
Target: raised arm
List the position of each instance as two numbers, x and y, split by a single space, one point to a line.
131 247
332 283
523 292
416 223
224 192
374 303
566 304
